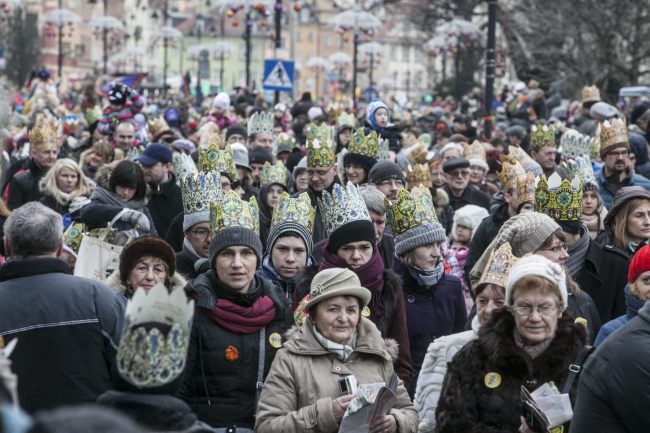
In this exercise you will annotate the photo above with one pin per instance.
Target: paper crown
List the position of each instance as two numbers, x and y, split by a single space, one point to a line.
232 211
260 123
184 166
320 146
559 199
343 205
525 189
575 144
590 94
410 209
511 170
383 154
153 346
220 161
273 174
525 160
365 145
199 191
210 137
345 120
296 210
418 176
283 143
581 167
613 133
542 136
43 135
476 151
158 126
498 266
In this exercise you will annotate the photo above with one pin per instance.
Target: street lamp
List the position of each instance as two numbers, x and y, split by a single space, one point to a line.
372 49
107 24
60 18
168 35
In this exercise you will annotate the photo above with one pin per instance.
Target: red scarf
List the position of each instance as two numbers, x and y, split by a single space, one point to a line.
243 320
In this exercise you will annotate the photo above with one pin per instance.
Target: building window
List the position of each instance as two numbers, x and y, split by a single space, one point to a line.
305 14
327 41
340 41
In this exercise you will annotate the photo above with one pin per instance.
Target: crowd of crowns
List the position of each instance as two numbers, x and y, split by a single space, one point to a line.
575 144
364 145
321 147
43 135
273 174
296 210
498 266
410 209
219 161
343 205
199 190
559 199
260 123
232 211
613 133
542 136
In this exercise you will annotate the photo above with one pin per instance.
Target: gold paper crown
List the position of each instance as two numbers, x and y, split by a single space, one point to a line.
296 210
365 145
418 176
341 206
498 266
199 191
575 144
210 137
320 146
542 136
273 174
232 211
43 135
476 150
345 120
157 126
410 209
184 166
559 199
220 161
511 170
613 133
590 94
418 154
260 123
525 189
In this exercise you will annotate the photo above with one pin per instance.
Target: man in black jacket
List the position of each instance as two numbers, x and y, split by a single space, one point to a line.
67 327
460 192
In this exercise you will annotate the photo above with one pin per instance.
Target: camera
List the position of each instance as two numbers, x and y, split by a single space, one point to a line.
348 385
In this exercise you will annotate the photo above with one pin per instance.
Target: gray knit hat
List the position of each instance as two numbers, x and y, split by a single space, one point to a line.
526 232
424 234
235 236
384 170
285 227
190 219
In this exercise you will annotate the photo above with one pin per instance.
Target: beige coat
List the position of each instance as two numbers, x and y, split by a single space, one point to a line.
298 391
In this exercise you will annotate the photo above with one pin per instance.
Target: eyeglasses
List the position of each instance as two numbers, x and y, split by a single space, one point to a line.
459 173
617 153
527 310
201 233
394 183
557 250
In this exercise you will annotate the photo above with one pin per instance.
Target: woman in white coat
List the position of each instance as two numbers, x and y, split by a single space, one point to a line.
489 295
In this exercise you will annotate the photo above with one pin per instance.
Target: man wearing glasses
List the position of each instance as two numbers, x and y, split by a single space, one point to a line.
458 188
388 177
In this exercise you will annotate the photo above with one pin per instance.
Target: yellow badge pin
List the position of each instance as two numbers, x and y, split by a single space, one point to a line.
366 311
492 380
275 340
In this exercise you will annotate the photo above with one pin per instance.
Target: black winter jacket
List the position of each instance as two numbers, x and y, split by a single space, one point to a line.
185 264
174 235
165 202
68 329
24 187
470 195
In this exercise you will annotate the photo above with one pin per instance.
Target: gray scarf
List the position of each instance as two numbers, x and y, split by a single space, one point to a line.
578 252
342 351
428 278
107 197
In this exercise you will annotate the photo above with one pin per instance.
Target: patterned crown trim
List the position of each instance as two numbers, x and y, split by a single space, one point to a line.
283 143
273 174
383 154
511 170
232 211
365 145
476 150
526 189
343 205
418 176
199 191
410 209
582 167
575 144
184 166
320 146
43 135
260 123
498 266
559 199
157 126
297 210
542 136
345 120
220 161
613 133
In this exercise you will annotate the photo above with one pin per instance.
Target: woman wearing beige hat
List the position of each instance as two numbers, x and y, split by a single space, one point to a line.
308 387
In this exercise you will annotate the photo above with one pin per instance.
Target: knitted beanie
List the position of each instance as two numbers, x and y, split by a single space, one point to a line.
238 130
540 266
191 219
526 232
233 237
419 236
259 155
286 227
354 231
374 105
362 161
147 245
384 170
640 263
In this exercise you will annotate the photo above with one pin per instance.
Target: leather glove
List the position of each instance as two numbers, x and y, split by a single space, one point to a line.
136 218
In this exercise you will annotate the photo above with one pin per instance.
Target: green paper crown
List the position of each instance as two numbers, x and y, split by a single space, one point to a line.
199 191
542 136
273 174
365 145
232 211
220 161
410 209
559 199
320 146
343 205
298 210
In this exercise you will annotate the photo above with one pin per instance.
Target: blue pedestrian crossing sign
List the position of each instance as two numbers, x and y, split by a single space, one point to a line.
278 75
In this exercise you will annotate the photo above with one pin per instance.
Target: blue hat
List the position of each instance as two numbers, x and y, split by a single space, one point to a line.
154 153
374 105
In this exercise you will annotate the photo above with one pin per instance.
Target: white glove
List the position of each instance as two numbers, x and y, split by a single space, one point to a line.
136 218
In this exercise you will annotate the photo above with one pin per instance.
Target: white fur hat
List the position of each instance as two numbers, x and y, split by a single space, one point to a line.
540 266
469 216
222 101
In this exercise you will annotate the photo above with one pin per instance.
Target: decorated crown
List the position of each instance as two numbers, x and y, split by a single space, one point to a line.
260 123
590 94
365 145
43 135
528 163
581 166
320 133
613 133
320 146
210 137
511 170
153 346
559 199
283 143
199 191
575 144
343 205
220 161
418 175
158 126
498 266
232 211
273 174
297 210
525 188
476 150
542 136
410 209
345 120
383 154
184 166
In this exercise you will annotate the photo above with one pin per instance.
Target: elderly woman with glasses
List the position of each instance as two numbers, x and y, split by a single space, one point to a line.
529 343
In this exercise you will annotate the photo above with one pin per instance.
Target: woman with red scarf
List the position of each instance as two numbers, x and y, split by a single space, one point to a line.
239 320
351 244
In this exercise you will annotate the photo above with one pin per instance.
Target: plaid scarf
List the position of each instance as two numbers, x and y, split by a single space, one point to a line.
342 351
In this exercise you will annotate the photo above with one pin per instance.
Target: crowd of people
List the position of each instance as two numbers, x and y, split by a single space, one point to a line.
274 265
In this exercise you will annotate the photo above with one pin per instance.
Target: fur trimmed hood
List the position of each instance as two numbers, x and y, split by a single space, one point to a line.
114 281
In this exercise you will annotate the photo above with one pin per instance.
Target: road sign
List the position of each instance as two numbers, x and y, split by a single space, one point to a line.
278 75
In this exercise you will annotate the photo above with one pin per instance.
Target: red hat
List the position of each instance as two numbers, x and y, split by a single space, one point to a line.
640 263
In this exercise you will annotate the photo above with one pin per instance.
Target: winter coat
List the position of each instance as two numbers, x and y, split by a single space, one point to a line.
430 313
481 391
68 329
221 392
390 132
97 214
434 367
608 190
185 264
470 195
392 324
633 305
165 202
175 235
162 413
266 270
582 308
303 381
25 187
114 281
614 390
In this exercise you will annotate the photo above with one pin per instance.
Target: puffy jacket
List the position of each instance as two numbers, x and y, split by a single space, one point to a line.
298 392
